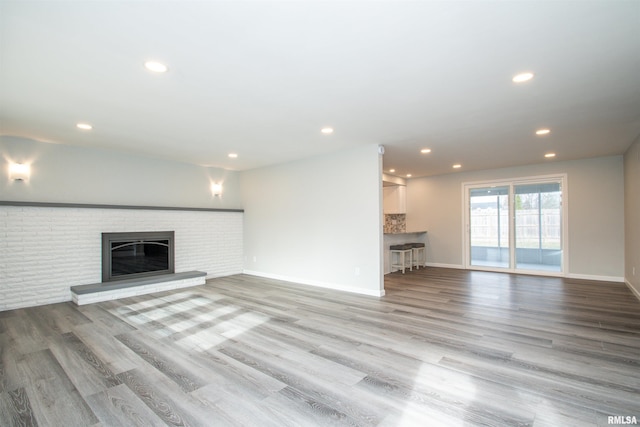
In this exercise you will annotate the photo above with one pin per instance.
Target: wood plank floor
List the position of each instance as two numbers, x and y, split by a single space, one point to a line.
443 347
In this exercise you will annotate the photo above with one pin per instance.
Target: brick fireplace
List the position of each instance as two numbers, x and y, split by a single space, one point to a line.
31 274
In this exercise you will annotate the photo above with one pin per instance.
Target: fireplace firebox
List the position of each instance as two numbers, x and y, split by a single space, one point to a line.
137 254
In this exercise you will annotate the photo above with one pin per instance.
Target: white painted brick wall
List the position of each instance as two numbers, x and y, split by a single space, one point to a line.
44 250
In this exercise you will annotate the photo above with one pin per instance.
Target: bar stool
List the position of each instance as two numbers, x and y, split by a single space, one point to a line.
404 257
418 255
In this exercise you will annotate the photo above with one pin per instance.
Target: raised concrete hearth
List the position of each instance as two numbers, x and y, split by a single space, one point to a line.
97 292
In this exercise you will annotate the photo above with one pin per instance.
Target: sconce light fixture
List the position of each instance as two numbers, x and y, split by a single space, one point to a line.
19 172
216 189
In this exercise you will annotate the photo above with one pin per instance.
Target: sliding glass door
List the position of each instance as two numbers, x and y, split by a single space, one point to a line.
516 225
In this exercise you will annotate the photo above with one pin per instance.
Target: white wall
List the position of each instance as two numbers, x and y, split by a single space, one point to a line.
317 221
632 216
595 203
70 174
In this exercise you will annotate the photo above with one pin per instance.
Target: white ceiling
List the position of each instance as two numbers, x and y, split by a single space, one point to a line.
262 78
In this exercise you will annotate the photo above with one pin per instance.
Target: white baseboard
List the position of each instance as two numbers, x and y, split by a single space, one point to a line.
435 264
617 279
326 285
596 278
223 274
635 291
439 265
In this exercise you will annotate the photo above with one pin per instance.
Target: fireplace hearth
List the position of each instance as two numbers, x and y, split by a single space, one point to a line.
137 254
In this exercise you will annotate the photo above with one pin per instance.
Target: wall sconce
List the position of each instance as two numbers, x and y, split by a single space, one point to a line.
216 189
19 172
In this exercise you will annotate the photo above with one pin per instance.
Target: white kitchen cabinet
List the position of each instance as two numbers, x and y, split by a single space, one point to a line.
394 199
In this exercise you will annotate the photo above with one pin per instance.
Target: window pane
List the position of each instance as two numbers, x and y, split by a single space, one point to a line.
489 226
538 231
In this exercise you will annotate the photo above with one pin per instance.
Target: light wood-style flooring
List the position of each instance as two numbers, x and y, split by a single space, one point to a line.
442 348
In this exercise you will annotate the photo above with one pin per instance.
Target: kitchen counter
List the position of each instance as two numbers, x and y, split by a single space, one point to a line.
406 232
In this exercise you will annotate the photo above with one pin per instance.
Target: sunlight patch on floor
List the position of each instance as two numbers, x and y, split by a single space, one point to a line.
194 321
242 323
162 311
223 331
414 415
454 388
201 341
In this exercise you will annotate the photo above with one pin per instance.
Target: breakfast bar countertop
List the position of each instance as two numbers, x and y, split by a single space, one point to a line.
409 232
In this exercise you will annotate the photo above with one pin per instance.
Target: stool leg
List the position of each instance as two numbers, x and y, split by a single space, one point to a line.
394 255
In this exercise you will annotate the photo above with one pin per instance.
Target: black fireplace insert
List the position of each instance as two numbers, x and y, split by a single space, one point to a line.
137 254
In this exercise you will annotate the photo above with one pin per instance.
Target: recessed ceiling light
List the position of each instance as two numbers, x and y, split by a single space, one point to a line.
543 132
233 155
156 67
457 166
392 170
522 77
327 131
550 155
408 175
425 150
84 126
